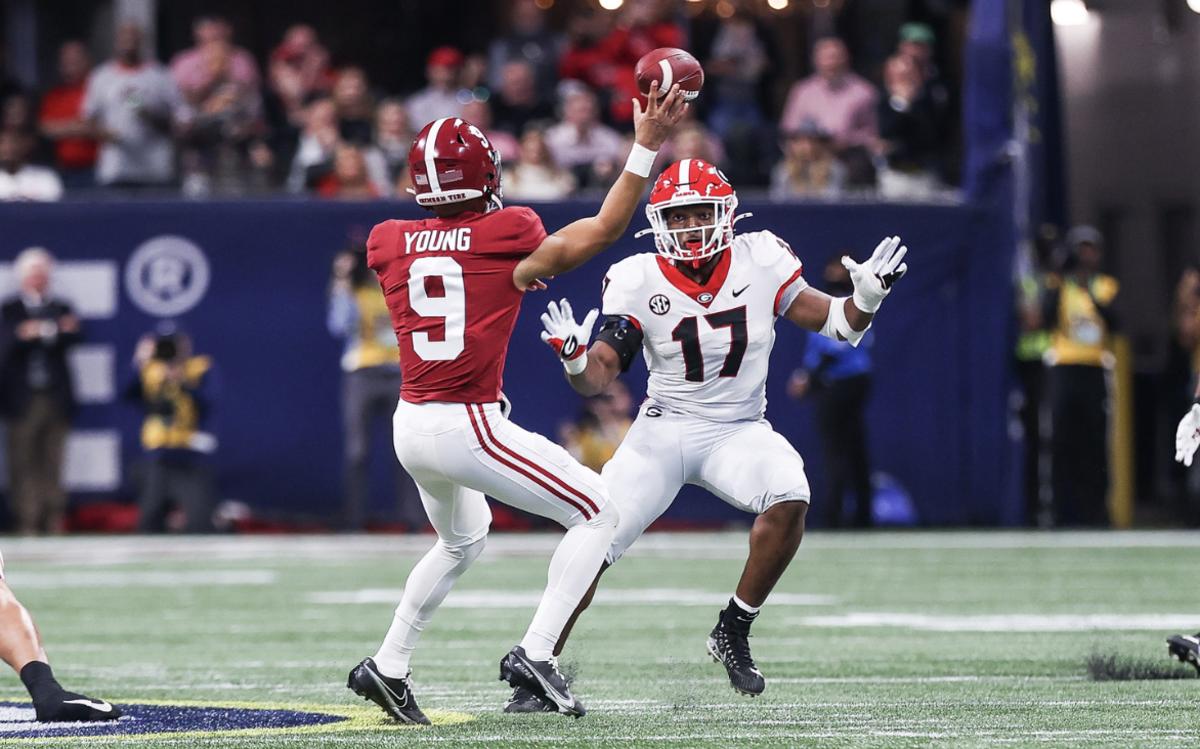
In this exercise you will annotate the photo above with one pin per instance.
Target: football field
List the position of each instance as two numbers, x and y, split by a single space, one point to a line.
875 639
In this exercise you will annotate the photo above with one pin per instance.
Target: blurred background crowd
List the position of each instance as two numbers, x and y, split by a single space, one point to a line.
802 100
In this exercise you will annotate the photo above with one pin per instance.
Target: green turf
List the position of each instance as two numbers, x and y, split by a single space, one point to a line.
918 639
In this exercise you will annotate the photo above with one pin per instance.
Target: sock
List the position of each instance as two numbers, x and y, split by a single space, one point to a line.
743 605
738 615
572 570
39 681
427 585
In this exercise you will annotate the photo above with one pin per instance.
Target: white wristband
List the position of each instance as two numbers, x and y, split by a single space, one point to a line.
641 160
577 365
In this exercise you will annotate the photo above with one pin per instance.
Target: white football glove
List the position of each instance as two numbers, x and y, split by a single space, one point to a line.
1187 436
568 338
873 279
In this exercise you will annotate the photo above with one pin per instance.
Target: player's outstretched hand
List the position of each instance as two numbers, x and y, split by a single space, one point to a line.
873 279
652 126
568 338
1187 436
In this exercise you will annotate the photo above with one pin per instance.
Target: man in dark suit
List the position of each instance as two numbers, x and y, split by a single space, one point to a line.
35 393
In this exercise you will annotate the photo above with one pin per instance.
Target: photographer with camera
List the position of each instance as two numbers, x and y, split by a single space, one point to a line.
175 388
36 394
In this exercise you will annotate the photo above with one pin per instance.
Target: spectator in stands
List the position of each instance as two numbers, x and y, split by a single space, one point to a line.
529 41
350 179
536 176
910 143
18 113
834 97
691 140
839 375
299 70
736 68
355 109
61 117
358 316
809 167
595 435
36 393
582 143
519 101
318 140
588 55
218 150
177 391
440 98
393 136
20 180
916 43
1079 312
135 108
214 63
479 113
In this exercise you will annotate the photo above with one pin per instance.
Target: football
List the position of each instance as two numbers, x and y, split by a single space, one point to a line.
669 66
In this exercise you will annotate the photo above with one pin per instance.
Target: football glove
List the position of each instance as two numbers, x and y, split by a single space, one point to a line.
873 279
568 338
1187 436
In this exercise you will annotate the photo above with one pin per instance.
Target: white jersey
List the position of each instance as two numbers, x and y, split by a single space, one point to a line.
707 347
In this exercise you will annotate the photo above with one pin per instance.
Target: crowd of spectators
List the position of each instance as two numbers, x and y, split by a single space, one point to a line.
218 122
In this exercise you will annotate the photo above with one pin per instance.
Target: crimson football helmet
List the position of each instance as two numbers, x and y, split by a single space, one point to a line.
692 182
451 161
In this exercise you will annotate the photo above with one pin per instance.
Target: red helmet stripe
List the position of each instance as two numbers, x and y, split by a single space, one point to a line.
431 153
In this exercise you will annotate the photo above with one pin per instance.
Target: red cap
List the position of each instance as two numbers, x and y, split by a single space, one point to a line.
448 57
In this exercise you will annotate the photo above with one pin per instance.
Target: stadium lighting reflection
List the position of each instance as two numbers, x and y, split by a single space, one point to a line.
611 4
1070 12
777 4
1194 5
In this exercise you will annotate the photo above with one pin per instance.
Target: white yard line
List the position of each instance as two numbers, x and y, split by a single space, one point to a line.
522 599
26 580
1008 623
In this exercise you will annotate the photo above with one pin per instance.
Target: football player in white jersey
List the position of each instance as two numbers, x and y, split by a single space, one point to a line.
702 310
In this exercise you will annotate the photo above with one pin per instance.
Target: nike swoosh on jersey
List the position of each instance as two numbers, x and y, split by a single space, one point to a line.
739 291
102 706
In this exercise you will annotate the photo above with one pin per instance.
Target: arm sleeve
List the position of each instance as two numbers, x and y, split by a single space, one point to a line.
624 336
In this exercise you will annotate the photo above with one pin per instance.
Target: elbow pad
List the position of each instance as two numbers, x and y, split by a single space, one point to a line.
837 327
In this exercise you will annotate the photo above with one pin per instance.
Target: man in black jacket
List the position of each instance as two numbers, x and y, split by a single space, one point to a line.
35 393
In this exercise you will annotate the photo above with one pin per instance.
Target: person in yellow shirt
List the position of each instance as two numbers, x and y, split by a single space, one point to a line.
595 435
370 364
1079 313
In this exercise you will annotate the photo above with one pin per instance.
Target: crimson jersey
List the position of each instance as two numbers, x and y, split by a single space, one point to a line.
449 288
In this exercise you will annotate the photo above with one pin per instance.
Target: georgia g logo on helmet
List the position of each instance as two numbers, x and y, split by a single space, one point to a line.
451 161
686 183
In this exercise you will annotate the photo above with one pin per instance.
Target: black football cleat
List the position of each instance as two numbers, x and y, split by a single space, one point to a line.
525 701
729 645
1186 648
393 695
542 678
68 707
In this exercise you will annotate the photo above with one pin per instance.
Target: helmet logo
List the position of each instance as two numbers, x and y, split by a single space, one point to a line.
659 304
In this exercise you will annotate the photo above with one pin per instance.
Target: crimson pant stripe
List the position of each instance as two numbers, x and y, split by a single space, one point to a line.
517 456
500 459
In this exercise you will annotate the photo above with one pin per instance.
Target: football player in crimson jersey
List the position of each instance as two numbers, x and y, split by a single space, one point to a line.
703 311
453 284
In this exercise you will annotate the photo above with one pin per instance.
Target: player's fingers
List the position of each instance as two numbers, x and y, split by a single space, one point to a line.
567 312
883 248
849 264
547 321
652 99
637 109
1187 458
546 337
589 320
891 262
668 103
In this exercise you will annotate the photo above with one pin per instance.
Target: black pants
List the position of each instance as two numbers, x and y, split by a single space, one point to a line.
368 395
1032 376
1080 445
177 480
840 406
